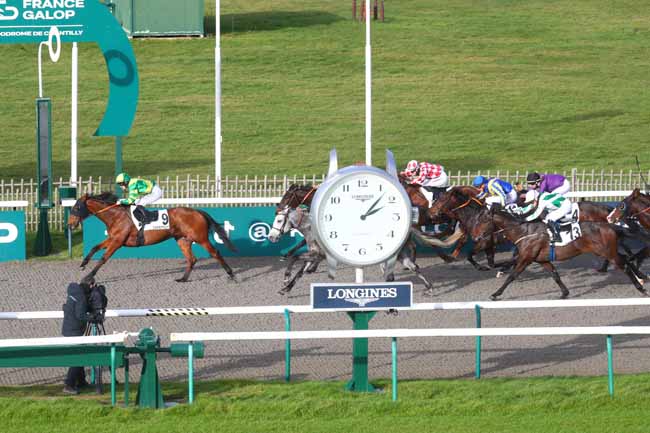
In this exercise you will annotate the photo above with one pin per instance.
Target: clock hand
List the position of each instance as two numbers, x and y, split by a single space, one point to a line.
368 212
372 212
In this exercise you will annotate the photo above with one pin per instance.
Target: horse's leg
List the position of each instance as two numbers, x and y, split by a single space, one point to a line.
99 246
186 248
289 268
604 266
217 256
293 249
631 271
287 288
111 247
519 268
478 266
639 258
549 267
413 267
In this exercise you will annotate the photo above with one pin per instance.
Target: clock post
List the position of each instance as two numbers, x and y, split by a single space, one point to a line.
361 217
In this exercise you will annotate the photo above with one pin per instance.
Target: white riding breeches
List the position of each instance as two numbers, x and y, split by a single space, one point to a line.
153 196
511 197
441 181
559 213
563 189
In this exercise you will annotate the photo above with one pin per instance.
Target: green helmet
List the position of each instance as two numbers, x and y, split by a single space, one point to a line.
122 178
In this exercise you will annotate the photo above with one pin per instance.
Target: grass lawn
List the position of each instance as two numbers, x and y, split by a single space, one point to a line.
496 84
451 406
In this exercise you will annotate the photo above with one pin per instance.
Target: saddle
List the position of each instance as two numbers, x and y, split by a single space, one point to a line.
145 216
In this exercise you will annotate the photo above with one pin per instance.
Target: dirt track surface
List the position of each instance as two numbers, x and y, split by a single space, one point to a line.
38 286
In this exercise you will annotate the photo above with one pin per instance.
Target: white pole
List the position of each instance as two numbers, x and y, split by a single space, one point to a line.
368 89
73 121
358 275
40 70
217 96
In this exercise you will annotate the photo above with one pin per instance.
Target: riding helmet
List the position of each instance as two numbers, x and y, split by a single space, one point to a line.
122 178
412 166
478 181
533 177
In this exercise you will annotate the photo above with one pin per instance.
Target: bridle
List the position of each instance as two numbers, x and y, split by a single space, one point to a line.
294 196
83 212
467 203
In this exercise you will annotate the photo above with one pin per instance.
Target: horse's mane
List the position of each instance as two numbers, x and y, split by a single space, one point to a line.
297 187
105 197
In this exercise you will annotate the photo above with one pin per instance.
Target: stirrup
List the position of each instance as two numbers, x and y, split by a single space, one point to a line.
139 240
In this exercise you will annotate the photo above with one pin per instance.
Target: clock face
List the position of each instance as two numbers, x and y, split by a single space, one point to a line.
363 217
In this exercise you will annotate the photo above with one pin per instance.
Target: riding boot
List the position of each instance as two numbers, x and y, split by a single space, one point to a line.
554 227
140 215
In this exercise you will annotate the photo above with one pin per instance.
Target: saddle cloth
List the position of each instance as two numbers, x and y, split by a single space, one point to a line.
161 223
569 230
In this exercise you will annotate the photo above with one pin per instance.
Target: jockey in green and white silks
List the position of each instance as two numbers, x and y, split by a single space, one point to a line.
141 192
557 206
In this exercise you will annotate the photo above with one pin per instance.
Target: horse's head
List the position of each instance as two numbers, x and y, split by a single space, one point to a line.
485 224
633 205
295 196
285 220
88 205
454 199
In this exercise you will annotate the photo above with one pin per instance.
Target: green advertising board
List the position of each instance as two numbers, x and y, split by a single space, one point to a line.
30 21
12 235
247 228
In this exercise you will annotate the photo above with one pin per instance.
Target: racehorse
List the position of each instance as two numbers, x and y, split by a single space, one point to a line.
186 225
635 211
460 204
533 243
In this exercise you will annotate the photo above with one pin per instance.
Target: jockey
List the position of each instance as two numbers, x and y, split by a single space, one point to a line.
555 204
496 191
431 177
141 192
548 183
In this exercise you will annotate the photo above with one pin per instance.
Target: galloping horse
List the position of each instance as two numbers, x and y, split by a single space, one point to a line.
460 204
635 211
186 225
532 241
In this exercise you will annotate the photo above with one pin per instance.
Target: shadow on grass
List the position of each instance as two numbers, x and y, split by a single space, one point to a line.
594 115
268 21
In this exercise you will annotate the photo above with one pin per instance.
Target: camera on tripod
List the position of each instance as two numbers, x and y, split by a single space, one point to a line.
97 302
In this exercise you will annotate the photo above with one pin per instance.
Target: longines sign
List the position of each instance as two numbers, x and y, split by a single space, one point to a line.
370 296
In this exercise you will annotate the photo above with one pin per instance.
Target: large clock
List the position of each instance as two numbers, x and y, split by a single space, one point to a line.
361 216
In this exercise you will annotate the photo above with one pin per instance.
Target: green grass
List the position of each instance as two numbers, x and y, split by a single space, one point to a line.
490 405
59 246
496 84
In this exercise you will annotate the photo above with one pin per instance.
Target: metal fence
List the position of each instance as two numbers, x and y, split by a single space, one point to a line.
274 186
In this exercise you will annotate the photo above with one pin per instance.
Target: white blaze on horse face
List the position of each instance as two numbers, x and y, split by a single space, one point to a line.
278 229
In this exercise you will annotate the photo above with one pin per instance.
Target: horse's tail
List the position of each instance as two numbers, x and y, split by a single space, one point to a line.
216 227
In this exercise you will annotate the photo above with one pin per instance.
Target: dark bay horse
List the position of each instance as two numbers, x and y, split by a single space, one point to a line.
186 225
634 210
532 241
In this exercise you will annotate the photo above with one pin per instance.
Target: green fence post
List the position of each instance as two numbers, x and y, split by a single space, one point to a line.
190 366
126 381
287 346
477 309
113 391
359 380
394 353
610 366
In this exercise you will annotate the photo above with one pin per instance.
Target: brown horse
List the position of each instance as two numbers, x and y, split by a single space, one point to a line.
634 210
186 225
533 244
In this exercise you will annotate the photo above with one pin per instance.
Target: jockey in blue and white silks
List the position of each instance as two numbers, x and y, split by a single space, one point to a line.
495 191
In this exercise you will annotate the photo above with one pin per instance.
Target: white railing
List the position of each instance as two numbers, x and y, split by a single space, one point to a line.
14 204
65 341
608 184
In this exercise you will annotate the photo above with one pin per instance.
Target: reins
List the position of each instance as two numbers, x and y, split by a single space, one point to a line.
106 208
639 213
467 203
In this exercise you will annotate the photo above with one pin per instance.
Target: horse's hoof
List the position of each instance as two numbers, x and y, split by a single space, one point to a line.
494 298
601 270
499 274
428 292
233 278
181 280
283 258
564 295
281 292
82 267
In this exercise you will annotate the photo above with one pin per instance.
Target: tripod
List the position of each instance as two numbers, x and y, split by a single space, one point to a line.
96 328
